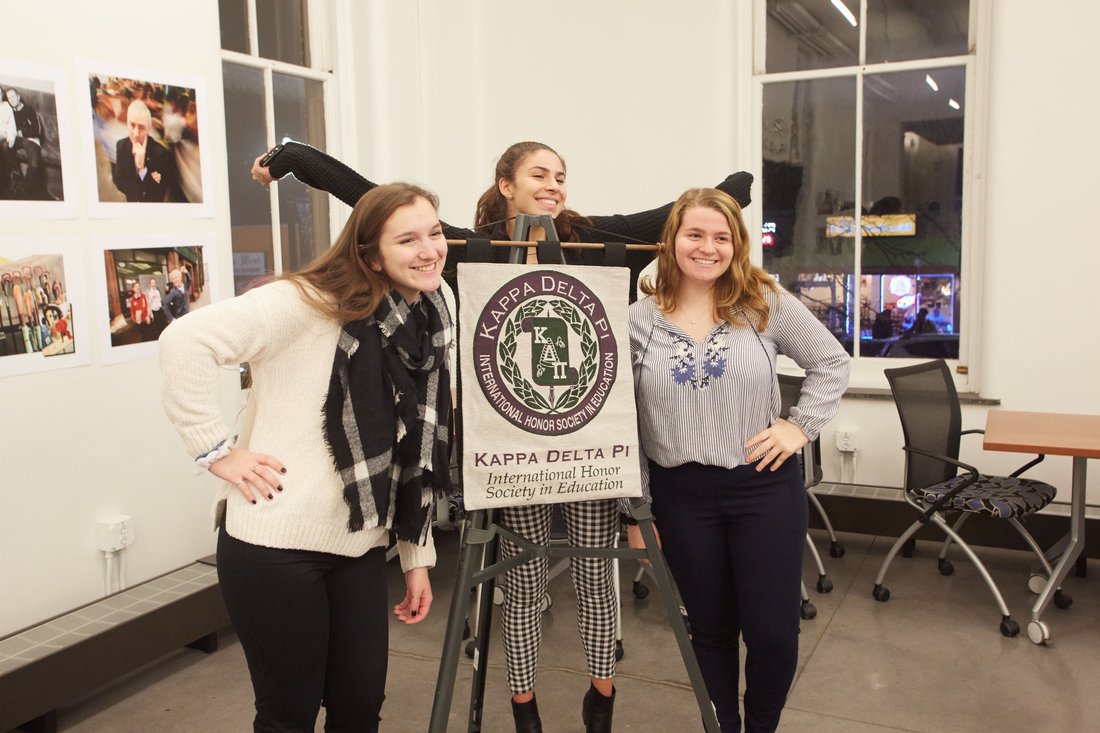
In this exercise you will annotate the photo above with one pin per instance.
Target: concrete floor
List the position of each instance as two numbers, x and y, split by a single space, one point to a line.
929 660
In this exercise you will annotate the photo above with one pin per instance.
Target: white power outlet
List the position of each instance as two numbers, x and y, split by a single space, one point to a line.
114 533
847 441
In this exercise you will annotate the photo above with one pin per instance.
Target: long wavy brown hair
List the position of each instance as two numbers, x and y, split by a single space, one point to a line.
739 292
340 282
492 207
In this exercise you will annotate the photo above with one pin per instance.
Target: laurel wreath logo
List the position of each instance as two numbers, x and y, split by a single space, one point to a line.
510 371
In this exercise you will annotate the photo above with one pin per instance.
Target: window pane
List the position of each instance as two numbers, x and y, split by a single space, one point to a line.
249 203
811 34
282 28
234 23
912 226
303 211
901 30
809 184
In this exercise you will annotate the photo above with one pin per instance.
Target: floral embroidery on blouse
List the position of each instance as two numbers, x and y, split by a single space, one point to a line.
683 368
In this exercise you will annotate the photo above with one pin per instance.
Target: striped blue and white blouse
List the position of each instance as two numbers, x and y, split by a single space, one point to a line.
699 401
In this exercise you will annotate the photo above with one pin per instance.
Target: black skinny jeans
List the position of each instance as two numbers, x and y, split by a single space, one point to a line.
733 539
313 627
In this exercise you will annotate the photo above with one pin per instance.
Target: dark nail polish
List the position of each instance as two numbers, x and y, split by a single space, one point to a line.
278 488
270 496
283 470
253 501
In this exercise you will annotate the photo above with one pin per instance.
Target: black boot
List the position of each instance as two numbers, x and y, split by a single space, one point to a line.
596 710
526 715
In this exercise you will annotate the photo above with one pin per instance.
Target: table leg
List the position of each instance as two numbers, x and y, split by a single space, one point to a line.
1037 629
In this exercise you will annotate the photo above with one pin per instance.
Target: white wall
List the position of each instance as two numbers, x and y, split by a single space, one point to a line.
593 80
79 444
641 99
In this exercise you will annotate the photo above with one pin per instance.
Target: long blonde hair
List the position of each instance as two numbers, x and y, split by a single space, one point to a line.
340 282
740 291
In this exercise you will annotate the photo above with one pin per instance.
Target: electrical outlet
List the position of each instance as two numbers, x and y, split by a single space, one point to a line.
847 441
114 533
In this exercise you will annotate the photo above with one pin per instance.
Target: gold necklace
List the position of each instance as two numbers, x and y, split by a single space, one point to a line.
693 321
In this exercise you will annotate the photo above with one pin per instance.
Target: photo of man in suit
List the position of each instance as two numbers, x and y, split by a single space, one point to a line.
144 169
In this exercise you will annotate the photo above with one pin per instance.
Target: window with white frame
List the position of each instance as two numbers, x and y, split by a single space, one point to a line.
865 167
274 83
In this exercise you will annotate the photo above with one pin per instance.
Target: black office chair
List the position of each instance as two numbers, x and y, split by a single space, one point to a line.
931 421
790 387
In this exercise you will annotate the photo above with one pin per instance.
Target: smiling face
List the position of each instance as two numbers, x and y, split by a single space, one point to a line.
412 249
704 246
13 98
538 186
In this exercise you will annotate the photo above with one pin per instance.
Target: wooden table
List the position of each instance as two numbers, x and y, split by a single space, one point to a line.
1055 434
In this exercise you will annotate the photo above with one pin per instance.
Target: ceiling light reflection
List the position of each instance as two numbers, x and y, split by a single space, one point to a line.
843 9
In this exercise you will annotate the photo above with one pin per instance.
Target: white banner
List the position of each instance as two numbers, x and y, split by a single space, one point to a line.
547 392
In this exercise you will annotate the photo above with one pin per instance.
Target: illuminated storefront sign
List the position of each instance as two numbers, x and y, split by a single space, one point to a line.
874 225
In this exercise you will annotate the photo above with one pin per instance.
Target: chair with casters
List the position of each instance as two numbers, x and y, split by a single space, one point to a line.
931 423
790 387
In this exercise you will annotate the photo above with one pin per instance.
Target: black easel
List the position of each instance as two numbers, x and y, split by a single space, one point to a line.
478 564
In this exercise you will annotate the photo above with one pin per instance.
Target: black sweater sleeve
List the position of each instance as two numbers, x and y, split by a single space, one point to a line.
325 173
321 171
646 226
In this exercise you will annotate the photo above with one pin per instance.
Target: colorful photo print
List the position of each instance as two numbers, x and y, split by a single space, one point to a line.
42 308
145 132
144 288
33 158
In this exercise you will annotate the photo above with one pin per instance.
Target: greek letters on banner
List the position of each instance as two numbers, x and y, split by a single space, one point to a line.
547 393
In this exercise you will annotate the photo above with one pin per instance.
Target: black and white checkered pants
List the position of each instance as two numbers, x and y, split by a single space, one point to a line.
589 524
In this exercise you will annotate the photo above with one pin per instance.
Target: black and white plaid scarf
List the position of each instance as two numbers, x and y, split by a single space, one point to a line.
387 415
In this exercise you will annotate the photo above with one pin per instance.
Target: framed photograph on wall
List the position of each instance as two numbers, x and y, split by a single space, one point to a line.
43 308
36 156
143 132
145 283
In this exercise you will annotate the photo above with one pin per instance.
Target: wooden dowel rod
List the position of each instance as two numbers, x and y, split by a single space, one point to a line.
564 245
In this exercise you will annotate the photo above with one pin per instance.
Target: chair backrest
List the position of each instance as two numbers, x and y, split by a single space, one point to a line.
790 387
931 419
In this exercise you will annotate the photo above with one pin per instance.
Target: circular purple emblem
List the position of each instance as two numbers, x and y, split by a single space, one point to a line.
545 353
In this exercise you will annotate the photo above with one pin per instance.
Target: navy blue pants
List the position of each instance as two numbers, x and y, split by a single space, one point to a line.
734 541
313 627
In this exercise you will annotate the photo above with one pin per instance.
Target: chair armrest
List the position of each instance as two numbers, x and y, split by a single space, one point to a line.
1018 471
1033 462
974 475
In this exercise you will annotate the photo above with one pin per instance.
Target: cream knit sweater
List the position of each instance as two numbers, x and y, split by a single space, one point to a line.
289 348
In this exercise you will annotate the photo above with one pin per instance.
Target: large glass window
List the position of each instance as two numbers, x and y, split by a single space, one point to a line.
809 145
821 35
863 167
303 211
270 96
283 29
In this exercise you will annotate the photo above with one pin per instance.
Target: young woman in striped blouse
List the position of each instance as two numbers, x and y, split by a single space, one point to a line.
721 466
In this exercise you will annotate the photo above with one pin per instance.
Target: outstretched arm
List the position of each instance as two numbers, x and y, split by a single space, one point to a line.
315 169
321 171
646 226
